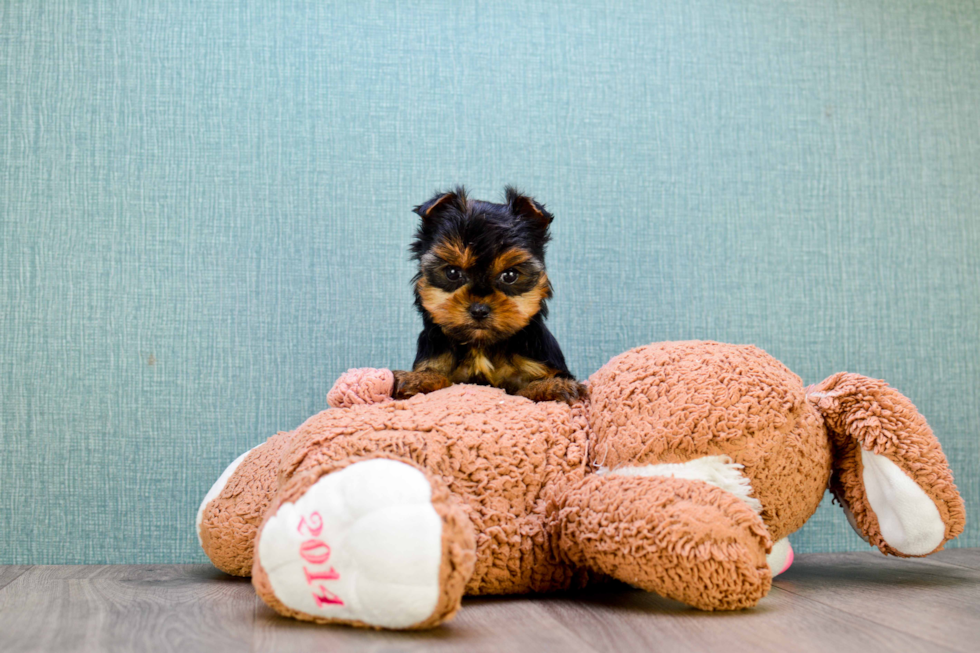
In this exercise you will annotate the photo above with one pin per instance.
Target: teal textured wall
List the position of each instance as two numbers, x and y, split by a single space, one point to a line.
205 208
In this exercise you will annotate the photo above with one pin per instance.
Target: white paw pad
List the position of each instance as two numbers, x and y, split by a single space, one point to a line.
908 519
781 557
362 544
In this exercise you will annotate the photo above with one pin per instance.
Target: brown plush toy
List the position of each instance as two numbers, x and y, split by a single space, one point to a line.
688 464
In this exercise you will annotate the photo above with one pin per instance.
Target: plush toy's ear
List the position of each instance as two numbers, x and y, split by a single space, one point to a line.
527 208
890 474
441 203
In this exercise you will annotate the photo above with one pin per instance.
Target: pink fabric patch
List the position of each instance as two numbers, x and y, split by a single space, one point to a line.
789 559
364 385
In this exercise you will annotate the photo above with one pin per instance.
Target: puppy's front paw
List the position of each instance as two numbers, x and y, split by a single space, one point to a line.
409 384
554 389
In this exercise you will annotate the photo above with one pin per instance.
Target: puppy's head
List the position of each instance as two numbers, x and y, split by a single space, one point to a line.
481 271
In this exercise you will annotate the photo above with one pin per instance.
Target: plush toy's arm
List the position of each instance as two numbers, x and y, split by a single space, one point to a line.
232 511
890 474
365 385
683 539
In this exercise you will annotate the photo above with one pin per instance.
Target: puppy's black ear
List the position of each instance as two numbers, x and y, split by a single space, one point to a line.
442 203
527 208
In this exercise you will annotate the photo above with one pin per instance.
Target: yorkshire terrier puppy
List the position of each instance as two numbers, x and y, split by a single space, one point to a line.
481 288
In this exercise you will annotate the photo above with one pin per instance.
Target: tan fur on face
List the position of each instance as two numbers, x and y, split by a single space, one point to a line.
530 302
508 315
455 253
450 310
509 259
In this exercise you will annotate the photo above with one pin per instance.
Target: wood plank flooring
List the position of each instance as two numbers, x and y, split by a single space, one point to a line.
842 602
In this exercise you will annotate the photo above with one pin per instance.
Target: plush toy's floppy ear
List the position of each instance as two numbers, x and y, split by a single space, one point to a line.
442 202
890 474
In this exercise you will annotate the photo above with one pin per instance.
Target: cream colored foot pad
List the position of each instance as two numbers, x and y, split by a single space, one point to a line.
908 519
362 544
781 557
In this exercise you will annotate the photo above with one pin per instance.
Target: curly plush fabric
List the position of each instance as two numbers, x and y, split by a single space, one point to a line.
505 457
708 454
231 520
364 385
656 533
676 401
866 414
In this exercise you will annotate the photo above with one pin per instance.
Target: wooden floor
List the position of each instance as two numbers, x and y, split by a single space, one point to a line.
827 602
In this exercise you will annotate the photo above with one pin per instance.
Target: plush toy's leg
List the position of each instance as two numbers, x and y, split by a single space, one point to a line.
376 543
890 474
232 510
683 539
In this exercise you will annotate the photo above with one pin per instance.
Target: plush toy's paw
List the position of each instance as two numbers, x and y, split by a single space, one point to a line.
365 385
781 557
369 545
554 389
409 384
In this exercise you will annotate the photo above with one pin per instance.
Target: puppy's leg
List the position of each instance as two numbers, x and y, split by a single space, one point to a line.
553 389
409 384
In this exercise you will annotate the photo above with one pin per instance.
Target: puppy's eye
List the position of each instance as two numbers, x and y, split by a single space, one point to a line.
453 273
509 276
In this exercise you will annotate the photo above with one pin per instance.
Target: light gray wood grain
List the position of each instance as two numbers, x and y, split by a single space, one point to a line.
622 619
126 608
969 558
490 624
834 603
10 573
933 601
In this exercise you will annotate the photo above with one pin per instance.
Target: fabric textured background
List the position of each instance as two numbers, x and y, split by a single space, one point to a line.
205 208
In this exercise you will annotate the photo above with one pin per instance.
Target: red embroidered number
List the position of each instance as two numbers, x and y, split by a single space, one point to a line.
317 552
326 597
315 525
330 574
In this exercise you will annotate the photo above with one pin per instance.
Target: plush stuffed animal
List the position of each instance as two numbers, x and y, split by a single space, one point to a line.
687 465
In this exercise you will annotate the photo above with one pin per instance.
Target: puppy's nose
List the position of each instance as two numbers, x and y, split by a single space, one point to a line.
479 311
